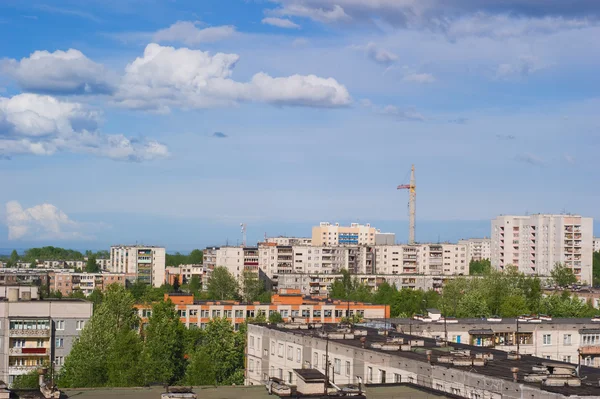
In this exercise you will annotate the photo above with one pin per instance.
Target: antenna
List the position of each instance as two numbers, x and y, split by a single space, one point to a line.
243 226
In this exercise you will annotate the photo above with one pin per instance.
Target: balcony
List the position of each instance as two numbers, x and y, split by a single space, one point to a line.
590 350
29 333
20 370
28 351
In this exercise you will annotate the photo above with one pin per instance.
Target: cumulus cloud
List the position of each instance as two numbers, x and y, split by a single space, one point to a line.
280 23
165 76
43 221
419 78
60 72
378 54
189 33
43 125
457 18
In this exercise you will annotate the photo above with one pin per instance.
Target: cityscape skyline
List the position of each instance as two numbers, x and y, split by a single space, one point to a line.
264 115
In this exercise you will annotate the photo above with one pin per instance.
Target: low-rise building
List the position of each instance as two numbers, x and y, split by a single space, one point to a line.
290 304
571 340
68 282
369 356
184 274
38 333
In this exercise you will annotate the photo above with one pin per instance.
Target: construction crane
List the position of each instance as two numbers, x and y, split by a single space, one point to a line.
412 199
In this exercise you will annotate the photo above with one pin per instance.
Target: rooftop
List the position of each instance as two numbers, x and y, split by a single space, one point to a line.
499 367
237 392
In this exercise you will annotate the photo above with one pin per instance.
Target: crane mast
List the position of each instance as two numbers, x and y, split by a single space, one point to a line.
412 200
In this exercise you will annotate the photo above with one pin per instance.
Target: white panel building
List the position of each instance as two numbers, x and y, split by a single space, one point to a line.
139 262
478 248
536 243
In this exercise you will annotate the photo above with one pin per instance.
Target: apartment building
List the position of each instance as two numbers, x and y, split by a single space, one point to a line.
291 304
596 244
536 243
289 240
571 340
368 356
68 282
24 277
327 234
139 262
184 274
38 333
477 248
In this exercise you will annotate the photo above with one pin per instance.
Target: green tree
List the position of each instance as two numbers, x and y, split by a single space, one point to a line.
13 259
195 257
163 354
201 368
222 284
225 348
562 275
87 364
91 266
479 267
251 286
195 284
96 297
26 381
77 294
513 306
33 265
472 304
275 318
123 360
596 268
138 290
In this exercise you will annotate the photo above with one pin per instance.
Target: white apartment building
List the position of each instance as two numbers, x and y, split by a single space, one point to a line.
596 244
477 248
327 234
139 262
536 243
232 258
289 240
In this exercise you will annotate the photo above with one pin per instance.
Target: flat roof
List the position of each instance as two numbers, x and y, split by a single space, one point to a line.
237 392
500 367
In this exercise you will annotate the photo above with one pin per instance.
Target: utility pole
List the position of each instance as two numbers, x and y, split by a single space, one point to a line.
517 338
326 364
412 199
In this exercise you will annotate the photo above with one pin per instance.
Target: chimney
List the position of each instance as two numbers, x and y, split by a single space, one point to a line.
514 370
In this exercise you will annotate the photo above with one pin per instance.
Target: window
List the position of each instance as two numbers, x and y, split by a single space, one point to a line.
80 324
290 353
567 339
258 343
397 378
193 312
280 350
567 359
60 325
18 343
298 355
59 342
315 360
239 314
347 368
265 352
251 342
337 365
251 365
290 377
40 343
547 339
370 374
60 360
273 348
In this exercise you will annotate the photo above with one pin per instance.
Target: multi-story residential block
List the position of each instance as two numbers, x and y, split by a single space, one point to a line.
536 243
26 276
558 339
289 240
38 333
327 234
596 244
477 248
139 262
184 274
368 356
68 282
293 306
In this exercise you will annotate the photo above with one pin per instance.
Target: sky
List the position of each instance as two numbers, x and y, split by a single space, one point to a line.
170 122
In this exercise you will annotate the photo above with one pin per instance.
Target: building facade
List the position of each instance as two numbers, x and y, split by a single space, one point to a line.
38 333
290 304
477 248
366 356
139 262
327 234
68 282
536 243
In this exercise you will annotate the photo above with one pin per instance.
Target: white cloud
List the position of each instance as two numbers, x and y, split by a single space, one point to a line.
280 23
419 78
43 221
60 72
328 13
43 125
166 76
188 32
378 54
525 66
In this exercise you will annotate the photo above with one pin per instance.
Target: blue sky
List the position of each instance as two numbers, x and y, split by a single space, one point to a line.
170 122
